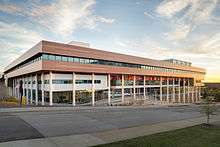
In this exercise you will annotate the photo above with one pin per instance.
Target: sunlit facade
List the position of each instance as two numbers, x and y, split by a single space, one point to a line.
55 73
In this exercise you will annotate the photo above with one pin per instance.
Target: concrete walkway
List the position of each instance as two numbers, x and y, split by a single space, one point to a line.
59 108
83 140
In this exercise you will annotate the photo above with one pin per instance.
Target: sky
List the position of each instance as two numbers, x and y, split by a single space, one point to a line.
187 30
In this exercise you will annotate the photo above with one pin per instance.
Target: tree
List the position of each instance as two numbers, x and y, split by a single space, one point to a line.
208 105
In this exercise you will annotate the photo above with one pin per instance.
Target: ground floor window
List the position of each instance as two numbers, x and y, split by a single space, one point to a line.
62 97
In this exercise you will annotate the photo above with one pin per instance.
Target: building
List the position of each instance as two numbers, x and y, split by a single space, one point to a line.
54 73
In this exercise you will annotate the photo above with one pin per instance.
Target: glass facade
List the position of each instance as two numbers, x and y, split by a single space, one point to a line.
101 62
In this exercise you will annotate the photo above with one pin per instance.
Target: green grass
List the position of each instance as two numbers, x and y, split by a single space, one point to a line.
196 136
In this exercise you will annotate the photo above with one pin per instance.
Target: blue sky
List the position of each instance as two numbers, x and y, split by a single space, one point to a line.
182 29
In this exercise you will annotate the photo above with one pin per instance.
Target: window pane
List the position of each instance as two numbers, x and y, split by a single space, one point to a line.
64 59
58 58
51 57
76 59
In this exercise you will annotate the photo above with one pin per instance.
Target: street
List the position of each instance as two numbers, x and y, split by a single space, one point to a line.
40 124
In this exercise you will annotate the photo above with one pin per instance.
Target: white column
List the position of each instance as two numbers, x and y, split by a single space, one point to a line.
199 93
109 89
179 98
13 87
51 90
188 91
167 90
196 92
144 87
17 89
184 90
161 90
27 96
23 79
122 88
174 94
31 100
134 85
93 89
36 91
192 91
42 89
74 89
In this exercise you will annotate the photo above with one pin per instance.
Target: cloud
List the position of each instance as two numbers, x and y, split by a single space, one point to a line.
10 8
168 8
15 40
62 17
185 15
148 15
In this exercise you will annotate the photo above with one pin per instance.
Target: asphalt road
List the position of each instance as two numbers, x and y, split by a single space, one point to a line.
26 125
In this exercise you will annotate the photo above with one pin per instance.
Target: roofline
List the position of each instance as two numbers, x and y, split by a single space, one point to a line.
38 48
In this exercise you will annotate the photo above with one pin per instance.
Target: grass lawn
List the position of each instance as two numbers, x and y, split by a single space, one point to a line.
196 136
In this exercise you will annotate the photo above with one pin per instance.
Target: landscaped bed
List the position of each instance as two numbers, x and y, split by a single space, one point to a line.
196 136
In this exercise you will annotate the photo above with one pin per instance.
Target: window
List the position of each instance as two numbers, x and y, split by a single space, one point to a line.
46 82
64 59
62 81
45 57
70 59
58 58
82 61
97 81
51 57
76 60
87 81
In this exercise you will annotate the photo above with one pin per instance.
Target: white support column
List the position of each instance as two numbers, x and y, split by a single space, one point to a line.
36 91
144 87
188 91
13 87
173 89
184 90
179 96
199 89
122 88
17 92
74 89
134 85
42 89
93 89
192 90
27 96
167 90
196 92
51 90
109 89
23 79
161 90
31 100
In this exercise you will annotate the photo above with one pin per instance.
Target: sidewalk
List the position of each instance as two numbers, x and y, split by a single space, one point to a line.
83 140
63 108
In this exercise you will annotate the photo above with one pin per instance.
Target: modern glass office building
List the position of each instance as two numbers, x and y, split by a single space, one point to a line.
56 73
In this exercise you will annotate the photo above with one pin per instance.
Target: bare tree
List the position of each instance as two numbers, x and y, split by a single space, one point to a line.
208 105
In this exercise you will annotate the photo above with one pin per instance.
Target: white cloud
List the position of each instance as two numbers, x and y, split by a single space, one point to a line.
62 17
185 15
105 20
10 8
148 15
15 40
168 8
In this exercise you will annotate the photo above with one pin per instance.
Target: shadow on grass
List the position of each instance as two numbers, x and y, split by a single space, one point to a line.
197 136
